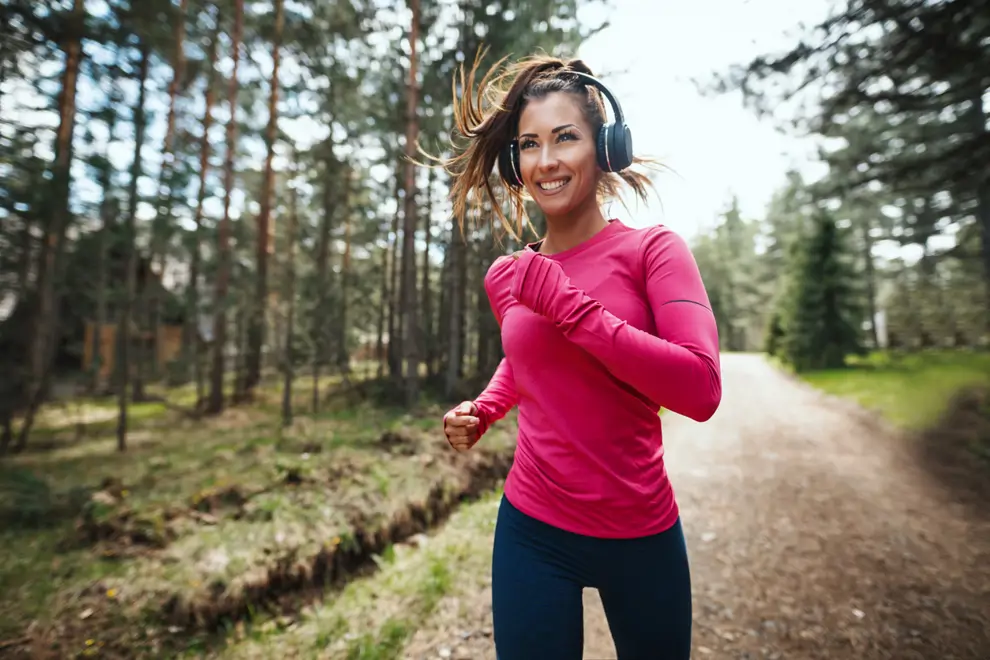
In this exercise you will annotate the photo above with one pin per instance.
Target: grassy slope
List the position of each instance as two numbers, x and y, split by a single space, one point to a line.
373 618
909 390
301 487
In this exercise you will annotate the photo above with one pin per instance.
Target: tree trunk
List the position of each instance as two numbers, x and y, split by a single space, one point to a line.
256 328
46 317
384 302
108 212
191 342
319 332
427 324
979 122
215 404
871 296
126 315
443 312
240 334
457 293
394 327
483 309
163 216
290 298
409 300
343 357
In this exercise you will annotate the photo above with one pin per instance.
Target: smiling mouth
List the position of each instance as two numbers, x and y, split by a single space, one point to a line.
553 186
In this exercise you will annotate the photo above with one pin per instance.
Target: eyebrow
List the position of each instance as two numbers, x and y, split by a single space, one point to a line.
556 130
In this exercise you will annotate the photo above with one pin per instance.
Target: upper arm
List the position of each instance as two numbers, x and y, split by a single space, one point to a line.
676 292
671 271
495 281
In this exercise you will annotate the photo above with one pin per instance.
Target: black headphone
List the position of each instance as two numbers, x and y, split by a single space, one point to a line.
613 150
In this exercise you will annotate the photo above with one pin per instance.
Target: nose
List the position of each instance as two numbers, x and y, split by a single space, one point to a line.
548 159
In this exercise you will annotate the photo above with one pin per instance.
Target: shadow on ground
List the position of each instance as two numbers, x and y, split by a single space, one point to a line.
956 450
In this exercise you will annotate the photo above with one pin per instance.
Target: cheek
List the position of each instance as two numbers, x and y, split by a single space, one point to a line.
583 161
586 164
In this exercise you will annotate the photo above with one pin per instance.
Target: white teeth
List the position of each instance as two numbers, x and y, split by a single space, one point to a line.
553 185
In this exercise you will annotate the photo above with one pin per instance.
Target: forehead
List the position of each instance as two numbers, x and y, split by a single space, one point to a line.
553 110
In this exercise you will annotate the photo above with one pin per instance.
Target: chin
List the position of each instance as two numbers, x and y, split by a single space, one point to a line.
556 208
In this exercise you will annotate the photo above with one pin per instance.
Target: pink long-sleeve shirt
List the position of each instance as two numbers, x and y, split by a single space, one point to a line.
597 339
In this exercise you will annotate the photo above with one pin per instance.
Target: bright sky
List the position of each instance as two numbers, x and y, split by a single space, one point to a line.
715 145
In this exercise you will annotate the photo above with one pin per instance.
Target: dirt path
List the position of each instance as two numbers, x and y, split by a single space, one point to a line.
812 534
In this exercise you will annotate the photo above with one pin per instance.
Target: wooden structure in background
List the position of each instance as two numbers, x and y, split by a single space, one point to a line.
168 349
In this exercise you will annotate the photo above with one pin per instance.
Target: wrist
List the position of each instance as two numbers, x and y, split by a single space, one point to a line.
536 281
518 288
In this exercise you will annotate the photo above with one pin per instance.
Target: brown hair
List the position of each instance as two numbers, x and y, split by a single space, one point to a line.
487 117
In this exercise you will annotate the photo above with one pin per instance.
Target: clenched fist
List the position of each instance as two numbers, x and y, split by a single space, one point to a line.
460 425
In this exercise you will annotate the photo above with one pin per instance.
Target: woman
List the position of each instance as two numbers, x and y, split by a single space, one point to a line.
601 324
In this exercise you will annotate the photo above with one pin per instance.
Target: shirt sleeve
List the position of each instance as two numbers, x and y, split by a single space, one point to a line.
678 368
500 395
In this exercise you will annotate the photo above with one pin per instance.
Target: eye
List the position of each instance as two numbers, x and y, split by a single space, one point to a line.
526 143
566 135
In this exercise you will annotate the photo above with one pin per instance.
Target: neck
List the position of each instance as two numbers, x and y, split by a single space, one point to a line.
568 231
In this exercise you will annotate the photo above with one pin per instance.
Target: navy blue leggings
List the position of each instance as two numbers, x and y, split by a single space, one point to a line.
539 571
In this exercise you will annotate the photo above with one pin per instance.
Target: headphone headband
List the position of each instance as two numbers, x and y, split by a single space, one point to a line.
595 82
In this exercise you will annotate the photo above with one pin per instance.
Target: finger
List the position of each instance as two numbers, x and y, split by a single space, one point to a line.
460 431
467 432
465 408
462 445
463 421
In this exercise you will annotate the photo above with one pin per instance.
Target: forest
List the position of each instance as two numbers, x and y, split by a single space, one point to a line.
233 307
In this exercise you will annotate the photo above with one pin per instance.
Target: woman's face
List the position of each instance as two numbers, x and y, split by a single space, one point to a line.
557 153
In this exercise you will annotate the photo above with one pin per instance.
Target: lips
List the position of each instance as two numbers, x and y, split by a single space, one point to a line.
553 186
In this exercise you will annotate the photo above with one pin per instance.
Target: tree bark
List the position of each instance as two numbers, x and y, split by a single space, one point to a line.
385 301
409 300
290 298
343 356
427 324
256 328
191 342
394 325
46 317
126 315
216 402
457 293
318 331
163 215
108 212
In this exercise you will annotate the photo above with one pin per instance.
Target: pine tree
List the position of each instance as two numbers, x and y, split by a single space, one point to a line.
822 319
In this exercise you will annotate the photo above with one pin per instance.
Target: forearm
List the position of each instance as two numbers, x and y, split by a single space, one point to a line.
678 368
683 377
497 398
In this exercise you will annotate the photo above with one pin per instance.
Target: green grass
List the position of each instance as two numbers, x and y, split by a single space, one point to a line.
64 421
910 390
373 618
303 484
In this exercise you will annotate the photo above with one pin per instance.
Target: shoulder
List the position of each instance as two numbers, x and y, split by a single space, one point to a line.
498 282
657 237
659 245
500 271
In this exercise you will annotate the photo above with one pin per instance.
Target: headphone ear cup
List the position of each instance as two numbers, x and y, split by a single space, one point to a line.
621 147
508 165
602 147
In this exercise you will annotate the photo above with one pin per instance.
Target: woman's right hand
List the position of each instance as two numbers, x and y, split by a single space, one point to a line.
460 425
